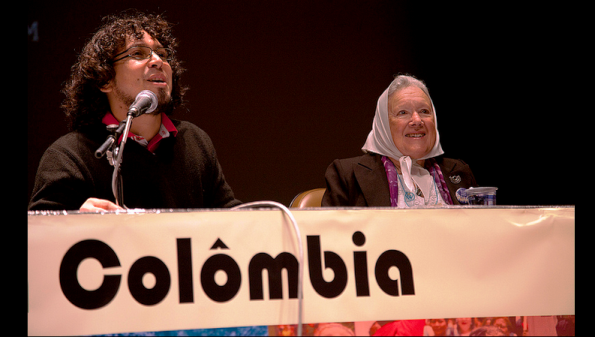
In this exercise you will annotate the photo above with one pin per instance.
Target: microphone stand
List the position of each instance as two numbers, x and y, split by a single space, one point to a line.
145 102
115 154
117 188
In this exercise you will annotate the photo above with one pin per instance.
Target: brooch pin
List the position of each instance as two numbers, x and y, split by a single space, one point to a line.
455 179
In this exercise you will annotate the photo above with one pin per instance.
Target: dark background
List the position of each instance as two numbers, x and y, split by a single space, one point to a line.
285 87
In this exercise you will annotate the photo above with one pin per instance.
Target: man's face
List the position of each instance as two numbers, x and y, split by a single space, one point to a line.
412 122
133 76
439 326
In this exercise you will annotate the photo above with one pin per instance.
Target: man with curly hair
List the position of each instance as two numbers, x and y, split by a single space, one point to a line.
169 163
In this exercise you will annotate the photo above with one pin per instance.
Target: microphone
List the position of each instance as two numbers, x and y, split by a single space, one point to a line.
115 130
145 102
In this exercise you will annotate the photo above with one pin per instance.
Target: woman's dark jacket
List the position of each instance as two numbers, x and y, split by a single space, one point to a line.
361 181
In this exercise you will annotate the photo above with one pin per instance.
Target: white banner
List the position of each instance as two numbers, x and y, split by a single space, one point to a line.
155 271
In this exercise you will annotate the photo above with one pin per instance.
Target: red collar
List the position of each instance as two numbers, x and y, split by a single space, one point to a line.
167 129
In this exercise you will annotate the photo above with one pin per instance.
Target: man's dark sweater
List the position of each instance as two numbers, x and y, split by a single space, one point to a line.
182 173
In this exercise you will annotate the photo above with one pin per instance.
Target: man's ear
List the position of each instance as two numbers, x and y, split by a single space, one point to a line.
107 88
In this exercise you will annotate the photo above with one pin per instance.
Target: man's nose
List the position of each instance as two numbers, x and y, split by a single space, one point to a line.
155 60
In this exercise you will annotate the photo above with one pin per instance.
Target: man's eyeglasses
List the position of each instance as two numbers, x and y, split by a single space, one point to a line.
144 53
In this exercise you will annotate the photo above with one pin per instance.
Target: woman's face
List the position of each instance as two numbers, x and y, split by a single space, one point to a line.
464 324
501 324
412 123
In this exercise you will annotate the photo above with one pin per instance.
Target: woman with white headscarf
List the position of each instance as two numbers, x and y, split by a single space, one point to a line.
403 164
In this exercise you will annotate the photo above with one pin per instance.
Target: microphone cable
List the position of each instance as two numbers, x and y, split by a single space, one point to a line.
298 235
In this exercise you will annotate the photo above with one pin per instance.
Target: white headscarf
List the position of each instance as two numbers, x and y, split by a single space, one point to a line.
380 141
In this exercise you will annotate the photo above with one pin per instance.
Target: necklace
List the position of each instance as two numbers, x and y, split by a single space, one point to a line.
410 196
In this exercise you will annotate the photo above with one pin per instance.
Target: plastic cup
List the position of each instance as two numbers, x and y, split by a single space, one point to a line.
485 196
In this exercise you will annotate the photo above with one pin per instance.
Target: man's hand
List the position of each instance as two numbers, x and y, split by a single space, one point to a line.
99 205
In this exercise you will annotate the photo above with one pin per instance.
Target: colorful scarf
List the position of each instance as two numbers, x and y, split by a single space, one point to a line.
435 172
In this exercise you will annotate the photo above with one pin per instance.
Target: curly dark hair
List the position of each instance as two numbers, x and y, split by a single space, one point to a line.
85 105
